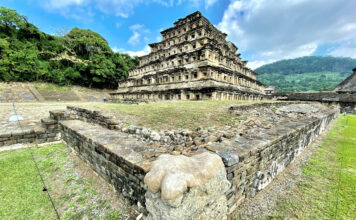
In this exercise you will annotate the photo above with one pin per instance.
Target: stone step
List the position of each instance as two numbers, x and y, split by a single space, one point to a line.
15 92
53 95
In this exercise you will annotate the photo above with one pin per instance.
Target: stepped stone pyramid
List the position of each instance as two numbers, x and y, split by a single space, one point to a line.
348 85
192 62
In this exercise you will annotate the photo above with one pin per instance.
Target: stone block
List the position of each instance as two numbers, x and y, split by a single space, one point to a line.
10 142
228 158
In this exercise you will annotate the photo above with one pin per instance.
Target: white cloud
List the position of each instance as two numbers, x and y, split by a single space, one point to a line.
75 9
146 50
197 3
134 39
345 49
138 30
55 4
278 29
344 52
136 27
257 63
120 8
209 3
116 49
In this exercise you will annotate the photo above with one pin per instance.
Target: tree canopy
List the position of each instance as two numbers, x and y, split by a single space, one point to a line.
81 57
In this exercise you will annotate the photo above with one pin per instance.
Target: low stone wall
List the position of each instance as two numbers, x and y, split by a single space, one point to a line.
125 156
255 163
125 176
127 101
315 96
144 134
47 132
247 107
347 101
250 164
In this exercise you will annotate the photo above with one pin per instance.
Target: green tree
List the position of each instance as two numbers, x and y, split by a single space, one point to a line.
80 57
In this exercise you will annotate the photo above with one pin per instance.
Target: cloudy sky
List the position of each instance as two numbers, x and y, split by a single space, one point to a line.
263 30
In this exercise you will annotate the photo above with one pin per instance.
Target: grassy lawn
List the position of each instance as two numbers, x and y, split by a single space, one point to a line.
158 115
75 197
327 189
50 86
175 114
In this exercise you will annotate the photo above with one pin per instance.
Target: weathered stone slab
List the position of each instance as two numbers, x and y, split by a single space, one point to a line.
171 176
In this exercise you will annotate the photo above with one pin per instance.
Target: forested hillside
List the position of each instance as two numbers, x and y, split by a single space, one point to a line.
80 57
306 73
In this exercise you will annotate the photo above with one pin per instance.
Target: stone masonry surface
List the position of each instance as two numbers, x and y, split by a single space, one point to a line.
192 62
115 156
253 151
46 131
205 176
252 158
265 154
173 175
22 92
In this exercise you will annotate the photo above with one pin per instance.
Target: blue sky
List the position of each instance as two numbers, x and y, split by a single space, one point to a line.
263 30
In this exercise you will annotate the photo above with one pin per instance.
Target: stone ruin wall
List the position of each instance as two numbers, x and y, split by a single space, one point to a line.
346 101
247 172
125 177
192 52
343 95
48 132
255 169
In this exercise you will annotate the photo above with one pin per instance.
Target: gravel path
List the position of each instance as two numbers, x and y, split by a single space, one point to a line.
262 205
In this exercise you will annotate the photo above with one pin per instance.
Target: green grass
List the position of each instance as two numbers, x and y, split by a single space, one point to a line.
48 86
175 114
327 189
21 195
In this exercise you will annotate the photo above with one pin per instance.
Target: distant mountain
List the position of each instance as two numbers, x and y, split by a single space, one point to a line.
306 73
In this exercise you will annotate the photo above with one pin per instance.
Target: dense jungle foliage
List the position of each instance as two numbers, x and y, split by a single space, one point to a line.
80 57
311 73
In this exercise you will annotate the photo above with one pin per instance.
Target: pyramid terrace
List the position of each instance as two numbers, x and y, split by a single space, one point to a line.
192 62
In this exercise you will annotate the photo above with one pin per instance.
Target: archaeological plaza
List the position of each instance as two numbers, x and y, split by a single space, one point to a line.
189 134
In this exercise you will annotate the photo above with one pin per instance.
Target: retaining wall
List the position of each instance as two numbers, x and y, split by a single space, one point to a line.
250 165
346 101
16 92
48 131
250 162
114 155
126 177
27 92
261 159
